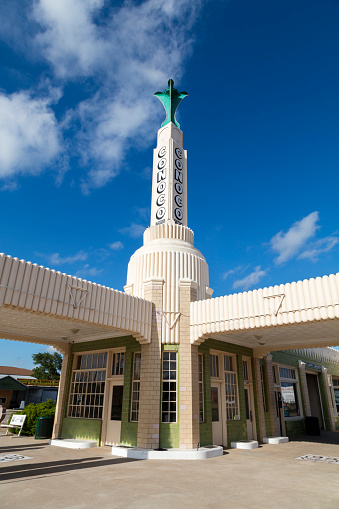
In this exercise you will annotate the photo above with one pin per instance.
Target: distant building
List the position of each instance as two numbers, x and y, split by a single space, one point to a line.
18 388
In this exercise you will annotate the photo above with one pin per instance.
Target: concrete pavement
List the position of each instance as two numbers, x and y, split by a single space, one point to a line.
268 477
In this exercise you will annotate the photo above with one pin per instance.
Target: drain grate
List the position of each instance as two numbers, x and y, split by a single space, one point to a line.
13 457
322 459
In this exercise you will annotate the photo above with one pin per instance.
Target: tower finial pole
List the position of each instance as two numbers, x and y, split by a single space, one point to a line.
170 99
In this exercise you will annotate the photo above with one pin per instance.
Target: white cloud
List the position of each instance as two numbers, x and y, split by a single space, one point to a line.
87 271
29 135
129 55
290 243
232 271
250 280
51 349
320 246
117 245
55 258
134 230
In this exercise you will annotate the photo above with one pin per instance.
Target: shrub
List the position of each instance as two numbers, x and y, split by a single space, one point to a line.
33 411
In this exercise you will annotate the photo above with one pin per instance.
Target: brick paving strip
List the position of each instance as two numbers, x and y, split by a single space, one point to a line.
13 457
322 459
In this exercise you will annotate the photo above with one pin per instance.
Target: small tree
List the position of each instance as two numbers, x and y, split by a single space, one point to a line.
50 365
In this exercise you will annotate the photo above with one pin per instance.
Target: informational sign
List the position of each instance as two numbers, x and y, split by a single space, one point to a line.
311 365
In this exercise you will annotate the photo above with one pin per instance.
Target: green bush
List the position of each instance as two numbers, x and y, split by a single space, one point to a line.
33 411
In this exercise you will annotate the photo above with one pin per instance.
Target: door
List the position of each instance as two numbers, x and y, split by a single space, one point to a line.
315 402
216 414
114 412
249 413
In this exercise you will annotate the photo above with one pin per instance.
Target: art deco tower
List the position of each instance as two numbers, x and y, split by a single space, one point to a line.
169 271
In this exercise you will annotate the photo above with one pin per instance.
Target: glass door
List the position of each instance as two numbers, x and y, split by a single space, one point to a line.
114 412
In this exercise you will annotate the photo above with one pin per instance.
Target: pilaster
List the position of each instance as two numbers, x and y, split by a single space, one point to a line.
304 388
62 391
260 389
188 371
271 396
150 375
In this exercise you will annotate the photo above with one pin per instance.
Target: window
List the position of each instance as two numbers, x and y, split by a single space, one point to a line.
231 389
287 373
201 388
262 379
214 366
245 370
118 364
88 386
289 392
169 387
135 387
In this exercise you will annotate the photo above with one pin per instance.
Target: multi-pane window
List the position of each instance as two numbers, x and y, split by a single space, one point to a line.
118 363
214 359
201 388
263 387
231 389
289 391
135 387
287 373
88 386
169 387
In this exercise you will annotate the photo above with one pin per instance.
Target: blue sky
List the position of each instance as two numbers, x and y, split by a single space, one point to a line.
78 124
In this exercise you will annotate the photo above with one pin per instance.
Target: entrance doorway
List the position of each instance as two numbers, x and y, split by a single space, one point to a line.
217 421
314 396
114 412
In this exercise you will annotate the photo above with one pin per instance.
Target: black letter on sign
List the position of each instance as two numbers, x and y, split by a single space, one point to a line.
178 164
160 213
178 200
178 188
178 153
161 187
161 200
178 176
178 214
161 175
161 163
162 152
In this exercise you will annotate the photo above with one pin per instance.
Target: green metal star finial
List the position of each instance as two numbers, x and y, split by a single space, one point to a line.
171 99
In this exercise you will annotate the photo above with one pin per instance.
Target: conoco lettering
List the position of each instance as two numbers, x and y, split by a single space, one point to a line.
161 200
178 200
161 163
161 187
161 175
162 152
160 213
178 214
178 176
178 188
178 164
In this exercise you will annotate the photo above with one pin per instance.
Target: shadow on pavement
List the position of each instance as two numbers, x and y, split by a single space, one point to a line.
27 470
326 437
8 449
